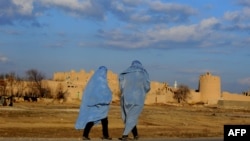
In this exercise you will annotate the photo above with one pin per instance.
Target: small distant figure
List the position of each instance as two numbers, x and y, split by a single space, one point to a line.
34 99
134 85
11 101
95 104
26 98
2 100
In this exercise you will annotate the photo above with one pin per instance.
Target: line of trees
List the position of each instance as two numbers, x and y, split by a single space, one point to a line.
13 85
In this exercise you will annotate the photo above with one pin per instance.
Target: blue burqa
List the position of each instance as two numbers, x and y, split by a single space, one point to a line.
96 99
134 84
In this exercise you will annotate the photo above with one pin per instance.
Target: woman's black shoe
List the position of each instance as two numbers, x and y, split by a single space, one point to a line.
124 138
136 137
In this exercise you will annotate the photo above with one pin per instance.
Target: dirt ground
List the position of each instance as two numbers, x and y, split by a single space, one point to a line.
55 120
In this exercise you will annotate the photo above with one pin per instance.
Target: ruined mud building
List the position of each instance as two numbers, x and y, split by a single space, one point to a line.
209 88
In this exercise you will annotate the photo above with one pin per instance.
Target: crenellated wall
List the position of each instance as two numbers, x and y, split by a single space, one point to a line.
75 82
209 90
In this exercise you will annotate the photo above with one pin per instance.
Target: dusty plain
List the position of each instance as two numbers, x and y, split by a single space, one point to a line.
55 120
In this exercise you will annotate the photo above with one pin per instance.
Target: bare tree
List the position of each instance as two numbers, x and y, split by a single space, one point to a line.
60 92
182 93
11 84
20 86
3 87
35 79
10 79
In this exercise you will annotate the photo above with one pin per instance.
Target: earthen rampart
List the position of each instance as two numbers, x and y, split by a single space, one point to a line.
73 84
209 88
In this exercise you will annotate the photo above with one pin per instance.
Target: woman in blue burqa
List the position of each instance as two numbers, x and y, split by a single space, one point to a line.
134 85
95 104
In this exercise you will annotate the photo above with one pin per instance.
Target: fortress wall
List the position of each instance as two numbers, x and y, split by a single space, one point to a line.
154 98
58 76
234 104
159 93
75 83
150 99
236 97
55 86
73 76
75 94
160 98
151 95
114 85
51 85
210 88
195 97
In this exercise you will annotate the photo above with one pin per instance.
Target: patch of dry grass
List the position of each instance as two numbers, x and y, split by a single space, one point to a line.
26 119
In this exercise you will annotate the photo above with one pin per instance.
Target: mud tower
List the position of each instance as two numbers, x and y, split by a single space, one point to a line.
210 88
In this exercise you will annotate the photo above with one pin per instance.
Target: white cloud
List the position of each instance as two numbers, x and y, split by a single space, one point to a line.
30 10
246 13
232 16
157 23
17 10
118 6
208 23
127 11
148 11
244 2
176 33
140 17
237 20
171 7
238 16
184 33
3 59
24 7
68 4
162 36
245 81
78 8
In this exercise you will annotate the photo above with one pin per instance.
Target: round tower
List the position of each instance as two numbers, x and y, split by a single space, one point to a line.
210 88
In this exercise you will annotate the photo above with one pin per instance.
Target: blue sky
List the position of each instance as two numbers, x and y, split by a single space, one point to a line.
174 39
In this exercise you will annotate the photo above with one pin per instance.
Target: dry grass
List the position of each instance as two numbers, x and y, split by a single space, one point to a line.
55 120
